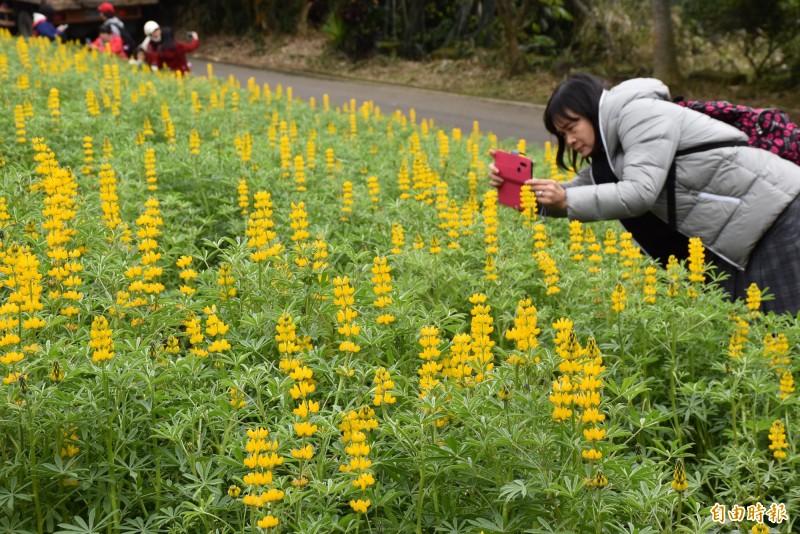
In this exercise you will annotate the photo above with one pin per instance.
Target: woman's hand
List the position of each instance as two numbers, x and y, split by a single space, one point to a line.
549 193
494 178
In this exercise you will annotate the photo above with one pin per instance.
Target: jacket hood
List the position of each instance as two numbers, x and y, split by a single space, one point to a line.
612 102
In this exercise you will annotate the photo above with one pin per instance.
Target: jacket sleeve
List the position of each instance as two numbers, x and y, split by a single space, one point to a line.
46 29
191 46
583 177
648 140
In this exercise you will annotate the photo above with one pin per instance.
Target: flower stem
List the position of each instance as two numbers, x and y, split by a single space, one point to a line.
32 474
672 378
420 497
112 489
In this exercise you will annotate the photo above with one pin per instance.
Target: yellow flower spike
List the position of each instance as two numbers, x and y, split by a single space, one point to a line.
591 454
150 172
619 298
347 201
19 124
374 190
550 271
696 260
540 238
303 453
679 483
529 205
244 195
435 248
260 229
525 331
599 481
383 387
56 375
299 222
576 237
361 505
194 142
101 343
649 287
268 521
786 387
777 436
54 104
299 173
753 300
237 399
305 429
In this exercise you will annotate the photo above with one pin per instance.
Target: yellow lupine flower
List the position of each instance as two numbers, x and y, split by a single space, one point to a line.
268 521
305 429
360 505
777 436
619 298
679 483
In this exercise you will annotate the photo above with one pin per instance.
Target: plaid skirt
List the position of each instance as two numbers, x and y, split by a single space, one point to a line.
774 265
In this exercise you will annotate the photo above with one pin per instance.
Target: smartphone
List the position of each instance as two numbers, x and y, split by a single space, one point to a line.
515 170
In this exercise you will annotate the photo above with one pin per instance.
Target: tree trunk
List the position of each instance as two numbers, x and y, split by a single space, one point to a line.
302 19
509 18
665 61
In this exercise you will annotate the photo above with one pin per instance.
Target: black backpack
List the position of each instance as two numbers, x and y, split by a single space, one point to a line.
129 44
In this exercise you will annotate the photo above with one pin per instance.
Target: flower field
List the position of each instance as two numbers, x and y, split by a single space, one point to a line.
223 309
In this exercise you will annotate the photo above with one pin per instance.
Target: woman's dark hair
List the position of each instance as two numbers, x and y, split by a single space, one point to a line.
577 96
167 39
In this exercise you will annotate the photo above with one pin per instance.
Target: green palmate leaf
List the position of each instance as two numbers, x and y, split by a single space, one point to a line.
13 524
81 526
10 493
140 526
516 489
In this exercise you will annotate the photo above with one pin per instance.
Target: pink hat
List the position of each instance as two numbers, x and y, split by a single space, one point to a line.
105 7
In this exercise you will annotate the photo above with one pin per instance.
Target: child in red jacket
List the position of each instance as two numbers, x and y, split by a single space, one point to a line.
170 53
108 41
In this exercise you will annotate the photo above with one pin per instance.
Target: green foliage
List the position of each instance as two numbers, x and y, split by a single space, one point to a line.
353 27
153 439
767 31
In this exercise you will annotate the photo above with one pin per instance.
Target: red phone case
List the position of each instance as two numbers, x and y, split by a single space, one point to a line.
515 170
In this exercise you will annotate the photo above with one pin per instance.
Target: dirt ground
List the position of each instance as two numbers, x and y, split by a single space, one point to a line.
477 76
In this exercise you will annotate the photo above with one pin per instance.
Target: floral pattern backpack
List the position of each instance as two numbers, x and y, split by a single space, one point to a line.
767 128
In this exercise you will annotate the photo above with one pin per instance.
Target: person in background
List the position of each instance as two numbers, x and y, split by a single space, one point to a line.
169 52
112 23
110 20
152 36
741 201
107 41
42 27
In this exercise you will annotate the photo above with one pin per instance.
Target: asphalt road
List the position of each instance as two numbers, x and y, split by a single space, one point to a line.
517 120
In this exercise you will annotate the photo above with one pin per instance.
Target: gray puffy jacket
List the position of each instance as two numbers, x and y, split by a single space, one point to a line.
729 197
